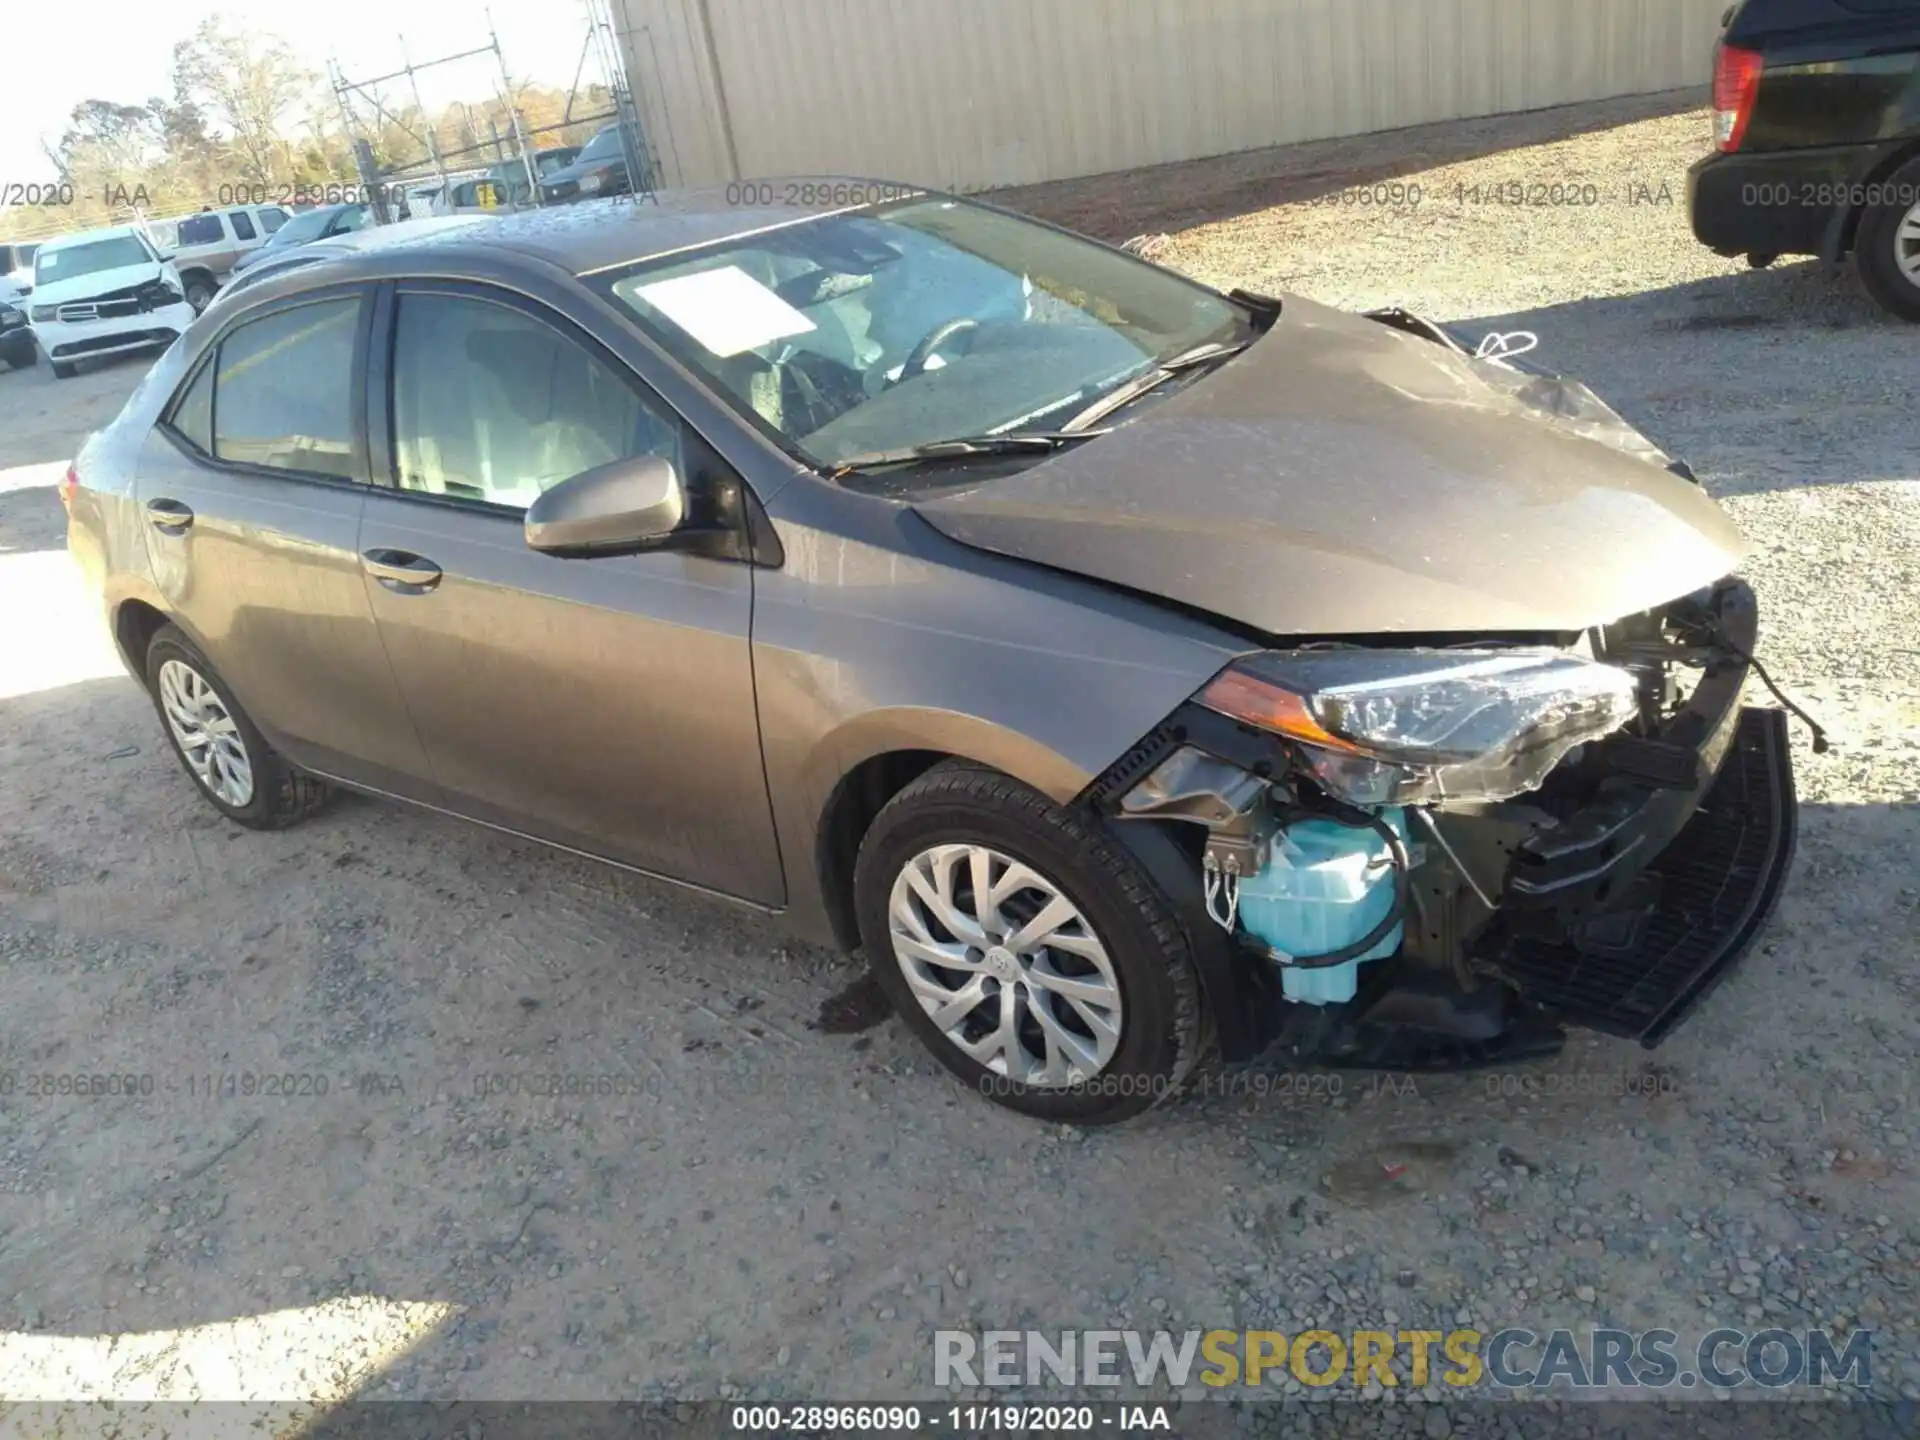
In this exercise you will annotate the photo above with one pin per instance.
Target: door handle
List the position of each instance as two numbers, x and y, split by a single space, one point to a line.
169 515
401 571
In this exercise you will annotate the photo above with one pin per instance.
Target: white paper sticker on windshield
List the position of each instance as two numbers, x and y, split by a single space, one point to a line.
726 310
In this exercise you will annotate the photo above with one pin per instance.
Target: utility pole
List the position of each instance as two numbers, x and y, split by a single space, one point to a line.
513 112
426 121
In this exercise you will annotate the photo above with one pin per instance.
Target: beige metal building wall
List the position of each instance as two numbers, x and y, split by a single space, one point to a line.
968 94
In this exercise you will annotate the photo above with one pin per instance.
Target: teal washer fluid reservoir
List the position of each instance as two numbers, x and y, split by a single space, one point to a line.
1325 886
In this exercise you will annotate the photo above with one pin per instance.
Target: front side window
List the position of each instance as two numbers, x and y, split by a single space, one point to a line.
349 219
491 404
925 320
272 218
72 261
242 224
283 390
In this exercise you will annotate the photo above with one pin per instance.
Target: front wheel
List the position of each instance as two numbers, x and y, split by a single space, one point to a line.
199 293
1887 244
1026 949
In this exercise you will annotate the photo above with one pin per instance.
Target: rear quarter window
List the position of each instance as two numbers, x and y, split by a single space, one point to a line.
192 415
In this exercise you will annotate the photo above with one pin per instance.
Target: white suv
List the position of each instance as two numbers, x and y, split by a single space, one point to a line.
103 292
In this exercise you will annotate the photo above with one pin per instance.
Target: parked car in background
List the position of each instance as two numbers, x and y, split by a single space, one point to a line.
1124 665
205 247
16 264
307 226
1817 134
599 169
17 349
104 292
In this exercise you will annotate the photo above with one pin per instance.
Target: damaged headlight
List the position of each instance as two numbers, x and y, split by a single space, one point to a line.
1409 727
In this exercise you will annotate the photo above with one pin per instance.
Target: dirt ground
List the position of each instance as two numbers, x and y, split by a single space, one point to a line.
748 1202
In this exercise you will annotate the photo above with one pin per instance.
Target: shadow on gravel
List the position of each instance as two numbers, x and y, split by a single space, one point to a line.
1760 380
1172 197
31 519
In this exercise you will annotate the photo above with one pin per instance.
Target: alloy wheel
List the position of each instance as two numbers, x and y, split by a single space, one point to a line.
1005 965
206 733
1906 245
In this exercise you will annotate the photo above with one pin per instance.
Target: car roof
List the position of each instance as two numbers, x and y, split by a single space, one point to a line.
596 235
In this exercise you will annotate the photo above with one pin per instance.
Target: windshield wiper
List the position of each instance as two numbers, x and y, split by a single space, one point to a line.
1129 391
1017 442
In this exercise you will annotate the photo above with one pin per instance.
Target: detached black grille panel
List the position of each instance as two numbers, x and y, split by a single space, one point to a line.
1717 884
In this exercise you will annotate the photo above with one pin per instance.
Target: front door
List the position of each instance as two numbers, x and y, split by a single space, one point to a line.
251 491
604 704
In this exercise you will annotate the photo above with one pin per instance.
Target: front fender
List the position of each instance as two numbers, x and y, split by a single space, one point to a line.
880 635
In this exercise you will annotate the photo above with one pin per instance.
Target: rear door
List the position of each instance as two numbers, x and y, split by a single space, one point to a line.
252 488
603 704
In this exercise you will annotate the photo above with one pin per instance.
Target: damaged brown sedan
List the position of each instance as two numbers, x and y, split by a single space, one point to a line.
1142 676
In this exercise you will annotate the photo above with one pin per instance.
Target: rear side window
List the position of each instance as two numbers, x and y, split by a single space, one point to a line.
242 224
201 230
272 218
283 390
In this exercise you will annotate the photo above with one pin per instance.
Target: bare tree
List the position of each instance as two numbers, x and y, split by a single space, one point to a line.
246 84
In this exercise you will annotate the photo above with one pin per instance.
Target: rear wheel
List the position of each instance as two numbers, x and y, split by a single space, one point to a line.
1026 949
1887 244
237 771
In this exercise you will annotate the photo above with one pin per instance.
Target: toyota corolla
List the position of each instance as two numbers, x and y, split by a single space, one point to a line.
1141 675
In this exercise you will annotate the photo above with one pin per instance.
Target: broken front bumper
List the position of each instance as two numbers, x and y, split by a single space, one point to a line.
1638 961
1621 917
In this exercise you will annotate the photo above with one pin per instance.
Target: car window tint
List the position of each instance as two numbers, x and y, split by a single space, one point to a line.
492 404
347 220
272 218
201 230
283 397
242 224
193 413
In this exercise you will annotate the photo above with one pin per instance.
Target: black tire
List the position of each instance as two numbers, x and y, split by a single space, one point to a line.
282 796
20 351
62 369
199 293
1162 1031
1877 245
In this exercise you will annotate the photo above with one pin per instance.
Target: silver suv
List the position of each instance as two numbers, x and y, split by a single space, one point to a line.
205 247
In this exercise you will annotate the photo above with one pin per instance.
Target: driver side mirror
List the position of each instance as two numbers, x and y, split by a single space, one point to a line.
626 505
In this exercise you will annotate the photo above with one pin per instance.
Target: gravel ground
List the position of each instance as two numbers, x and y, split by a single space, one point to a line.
782 1205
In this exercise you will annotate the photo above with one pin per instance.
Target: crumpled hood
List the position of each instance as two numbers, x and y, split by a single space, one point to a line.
1344 478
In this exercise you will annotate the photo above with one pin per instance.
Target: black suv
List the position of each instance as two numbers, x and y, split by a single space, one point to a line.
16 340
1817 120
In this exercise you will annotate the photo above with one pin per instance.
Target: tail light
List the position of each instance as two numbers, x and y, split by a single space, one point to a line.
1736 85
70 485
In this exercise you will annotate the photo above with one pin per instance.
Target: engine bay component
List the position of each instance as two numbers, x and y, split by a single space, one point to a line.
1398 727
1328 889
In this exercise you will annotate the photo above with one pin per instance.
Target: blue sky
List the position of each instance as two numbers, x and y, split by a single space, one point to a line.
128 46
